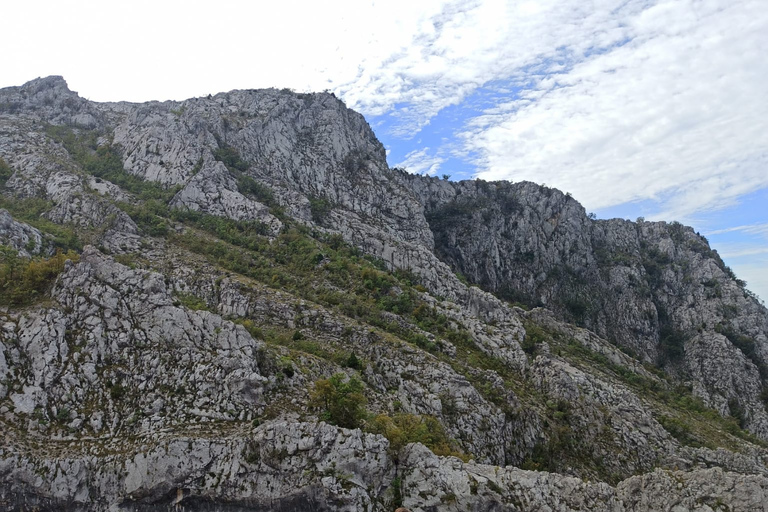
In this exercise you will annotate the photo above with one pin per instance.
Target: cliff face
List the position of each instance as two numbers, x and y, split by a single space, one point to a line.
654 288
237 251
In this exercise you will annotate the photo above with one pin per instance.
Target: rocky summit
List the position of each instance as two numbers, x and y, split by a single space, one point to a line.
232 303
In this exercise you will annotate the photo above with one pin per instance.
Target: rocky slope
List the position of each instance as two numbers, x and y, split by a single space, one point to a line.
235 252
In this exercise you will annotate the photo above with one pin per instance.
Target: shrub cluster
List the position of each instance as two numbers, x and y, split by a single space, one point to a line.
340 401
24 280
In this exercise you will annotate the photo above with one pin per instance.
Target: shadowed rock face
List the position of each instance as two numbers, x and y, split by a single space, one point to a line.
650 287
172 364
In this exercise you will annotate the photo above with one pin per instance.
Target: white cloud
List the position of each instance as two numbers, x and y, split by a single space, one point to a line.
420 162
467 44
177 49
678 109
740 253
752 229
611 100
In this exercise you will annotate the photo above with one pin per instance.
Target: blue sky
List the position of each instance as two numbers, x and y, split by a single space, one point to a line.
653 108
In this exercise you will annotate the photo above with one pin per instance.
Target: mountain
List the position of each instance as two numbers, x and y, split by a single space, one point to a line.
233 303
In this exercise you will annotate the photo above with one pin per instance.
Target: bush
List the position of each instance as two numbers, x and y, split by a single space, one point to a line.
250 187
534 336
353 362
679 431
320 208
402 429
192 302
229 156
340 400
22 280
5 172
671 345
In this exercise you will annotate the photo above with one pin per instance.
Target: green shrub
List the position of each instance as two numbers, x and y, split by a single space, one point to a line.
320 208
230 157
671 345
24 280
534 336
402 429
192 302
340 400
5 172
353 362
250 187
679 431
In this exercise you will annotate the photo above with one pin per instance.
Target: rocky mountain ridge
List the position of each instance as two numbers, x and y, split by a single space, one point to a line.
239 249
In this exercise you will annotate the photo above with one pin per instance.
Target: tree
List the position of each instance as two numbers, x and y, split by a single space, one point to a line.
340 400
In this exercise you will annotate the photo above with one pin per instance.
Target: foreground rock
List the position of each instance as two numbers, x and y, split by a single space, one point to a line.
306 466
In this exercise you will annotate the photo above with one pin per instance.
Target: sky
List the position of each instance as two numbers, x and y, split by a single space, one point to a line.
638 108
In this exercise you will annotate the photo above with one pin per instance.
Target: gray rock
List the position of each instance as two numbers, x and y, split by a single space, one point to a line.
22 237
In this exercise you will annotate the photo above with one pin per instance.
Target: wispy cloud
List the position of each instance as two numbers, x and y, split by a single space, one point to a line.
421 162
740 253
751 229
612 100
678 108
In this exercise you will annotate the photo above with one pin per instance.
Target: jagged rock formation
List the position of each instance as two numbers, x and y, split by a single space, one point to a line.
239 249
22 237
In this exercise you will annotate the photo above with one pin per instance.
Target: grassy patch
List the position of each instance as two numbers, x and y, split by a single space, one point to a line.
30 211
191 301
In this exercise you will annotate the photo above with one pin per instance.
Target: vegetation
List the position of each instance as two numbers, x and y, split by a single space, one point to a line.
5 172
191 301
325 270
671 345
534 336
229 156
747 345
320 208
373 304
560 447
97 156
318 268
250 187
402 429
30 211
25 280
340 400
682 414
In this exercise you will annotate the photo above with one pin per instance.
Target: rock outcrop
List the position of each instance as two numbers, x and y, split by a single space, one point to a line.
25 239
